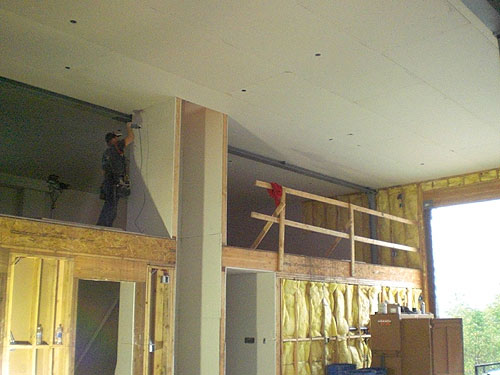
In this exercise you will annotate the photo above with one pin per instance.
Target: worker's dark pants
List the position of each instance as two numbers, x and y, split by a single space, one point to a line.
108 212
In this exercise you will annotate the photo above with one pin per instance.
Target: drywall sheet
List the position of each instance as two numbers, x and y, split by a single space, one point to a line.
321 322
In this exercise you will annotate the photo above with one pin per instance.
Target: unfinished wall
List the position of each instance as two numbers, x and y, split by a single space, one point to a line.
151 207
405 201
321 322
29 198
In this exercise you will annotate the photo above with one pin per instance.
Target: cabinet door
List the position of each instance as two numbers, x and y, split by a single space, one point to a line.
416 347
447 347
38 299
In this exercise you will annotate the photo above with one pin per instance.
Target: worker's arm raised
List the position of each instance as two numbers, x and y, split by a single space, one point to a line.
130 134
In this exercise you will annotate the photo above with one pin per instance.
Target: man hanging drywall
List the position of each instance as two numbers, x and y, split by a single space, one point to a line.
115 184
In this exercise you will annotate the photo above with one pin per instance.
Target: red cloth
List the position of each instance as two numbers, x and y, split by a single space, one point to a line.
276 192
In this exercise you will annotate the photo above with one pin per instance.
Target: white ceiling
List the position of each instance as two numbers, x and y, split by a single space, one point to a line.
403 90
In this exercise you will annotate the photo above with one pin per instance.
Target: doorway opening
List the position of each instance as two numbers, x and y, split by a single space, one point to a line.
104 328
466 254
250 322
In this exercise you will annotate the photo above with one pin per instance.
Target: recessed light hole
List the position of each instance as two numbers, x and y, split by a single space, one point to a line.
72 21
243 90
317 54
67 67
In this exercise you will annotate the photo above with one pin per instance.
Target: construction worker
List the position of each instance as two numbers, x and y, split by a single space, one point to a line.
115 184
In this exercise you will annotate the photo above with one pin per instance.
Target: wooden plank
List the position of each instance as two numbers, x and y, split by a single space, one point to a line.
139 328
303 194
384 243
29 235
311 268
278 341
177 158
281 239
477 192
298 225
267 226
224 179
97 268
352 241
336 202
384 215
337 241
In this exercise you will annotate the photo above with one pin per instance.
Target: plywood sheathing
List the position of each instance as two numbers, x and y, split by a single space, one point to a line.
313 311
26 235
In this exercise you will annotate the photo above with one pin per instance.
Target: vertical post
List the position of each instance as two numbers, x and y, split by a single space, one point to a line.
351 237
281 244
372 204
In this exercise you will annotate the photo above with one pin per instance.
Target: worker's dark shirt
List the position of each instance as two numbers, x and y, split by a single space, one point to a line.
113 162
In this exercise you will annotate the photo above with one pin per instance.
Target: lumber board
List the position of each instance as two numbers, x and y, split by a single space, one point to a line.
295 224
97 268
477 192
267 226
29 235
281 238
384 243
304 267
336 202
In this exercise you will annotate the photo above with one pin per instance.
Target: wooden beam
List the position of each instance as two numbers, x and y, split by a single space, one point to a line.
303 194
385 244
267 226
296 224
281 239
312 268
337 241
336 202
331 232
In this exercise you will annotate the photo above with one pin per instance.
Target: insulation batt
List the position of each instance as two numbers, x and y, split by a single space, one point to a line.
322 309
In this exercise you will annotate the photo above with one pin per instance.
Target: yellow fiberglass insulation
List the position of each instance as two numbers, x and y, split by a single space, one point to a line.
317 350
289 288
332 331
356 358
343 352
342 325
287 364
329 321
364 305
331 352
316 308
302 313
303 353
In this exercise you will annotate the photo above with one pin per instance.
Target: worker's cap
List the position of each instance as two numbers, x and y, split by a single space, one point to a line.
110 136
